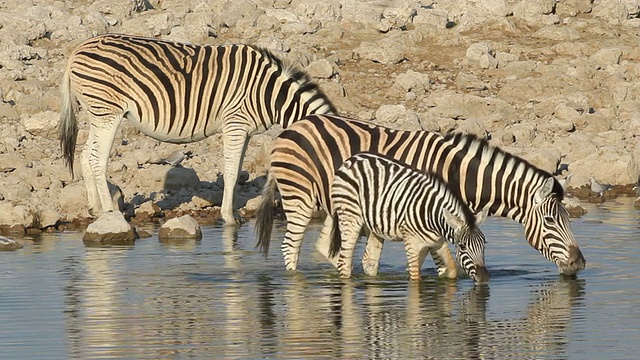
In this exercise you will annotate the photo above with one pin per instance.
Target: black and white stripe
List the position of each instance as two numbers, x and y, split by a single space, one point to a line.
178 93
393 201
306 156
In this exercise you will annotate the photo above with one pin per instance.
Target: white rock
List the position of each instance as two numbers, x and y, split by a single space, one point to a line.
482 55
149 209
558 33
398 116
413 81
41 124
109 229
606 57
384 52
180 228
322 69
7 244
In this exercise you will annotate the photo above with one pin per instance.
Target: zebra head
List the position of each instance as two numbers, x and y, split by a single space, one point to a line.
470 244
547 228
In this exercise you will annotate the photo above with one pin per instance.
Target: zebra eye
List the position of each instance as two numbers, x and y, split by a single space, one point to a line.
462 247
549 219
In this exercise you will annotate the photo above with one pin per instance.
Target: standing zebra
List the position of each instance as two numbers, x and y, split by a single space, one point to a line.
394 201
306 156
177 93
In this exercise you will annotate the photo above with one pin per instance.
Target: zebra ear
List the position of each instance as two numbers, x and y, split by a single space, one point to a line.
543 191
482 215
455 222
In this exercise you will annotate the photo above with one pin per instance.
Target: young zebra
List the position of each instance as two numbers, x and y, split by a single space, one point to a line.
177 93
306 156
396 202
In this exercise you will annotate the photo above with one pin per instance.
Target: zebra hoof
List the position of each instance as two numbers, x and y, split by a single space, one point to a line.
448 273
370 268
233 220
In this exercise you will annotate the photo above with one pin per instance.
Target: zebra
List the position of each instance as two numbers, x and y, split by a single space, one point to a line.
306 156
178 93
394 201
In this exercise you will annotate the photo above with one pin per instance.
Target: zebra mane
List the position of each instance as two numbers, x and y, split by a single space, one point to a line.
481 147
296 74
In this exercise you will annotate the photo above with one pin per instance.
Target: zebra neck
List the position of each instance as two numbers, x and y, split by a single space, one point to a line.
488 177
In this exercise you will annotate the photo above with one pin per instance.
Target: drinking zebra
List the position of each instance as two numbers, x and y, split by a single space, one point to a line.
396 202
177 93
306 156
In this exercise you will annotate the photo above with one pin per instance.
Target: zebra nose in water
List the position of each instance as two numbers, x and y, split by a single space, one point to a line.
482 275
575 263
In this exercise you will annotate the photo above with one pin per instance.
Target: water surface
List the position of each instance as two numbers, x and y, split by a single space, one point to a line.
219 298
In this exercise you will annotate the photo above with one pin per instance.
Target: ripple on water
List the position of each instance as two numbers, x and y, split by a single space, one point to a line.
219 297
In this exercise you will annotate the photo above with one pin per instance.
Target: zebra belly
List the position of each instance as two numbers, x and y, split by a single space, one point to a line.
161 135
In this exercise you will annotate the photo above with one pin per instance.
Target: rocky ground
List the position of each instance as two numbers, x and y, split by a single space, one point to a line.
556 82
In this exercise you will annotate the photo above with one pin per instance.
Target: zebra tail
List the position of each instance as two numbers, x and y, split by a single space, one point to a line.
336 238
264 214
67 126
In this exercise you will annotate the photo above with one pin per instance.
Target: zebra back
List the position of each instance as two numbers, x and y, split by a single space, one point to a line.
179 92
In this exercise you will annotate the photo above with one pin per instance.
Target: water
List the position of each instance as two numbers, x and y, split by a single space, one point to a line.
219 298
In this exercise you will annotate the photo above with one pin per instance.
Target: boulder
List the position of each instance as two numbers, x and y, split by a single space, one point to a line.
177 178
398 117
148 210
322 69
41 124
110 229
482 55
7 244
606 57
386 51
183 227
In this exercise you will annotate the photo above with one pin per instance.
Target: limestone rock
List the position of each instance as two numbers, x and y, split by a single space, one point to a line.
385 51
606 57
536 11
398 116
561 33
574 208
7 244
184 227
466 81
41 124
413 81
148 210
110 229
482 55
322 69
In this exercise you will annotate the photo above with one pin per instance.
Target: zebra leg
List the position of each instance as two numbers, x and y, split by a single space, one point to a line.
443 260
324 240
95 207
372 252
94 161
234 146
298 218
350 231
413 247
